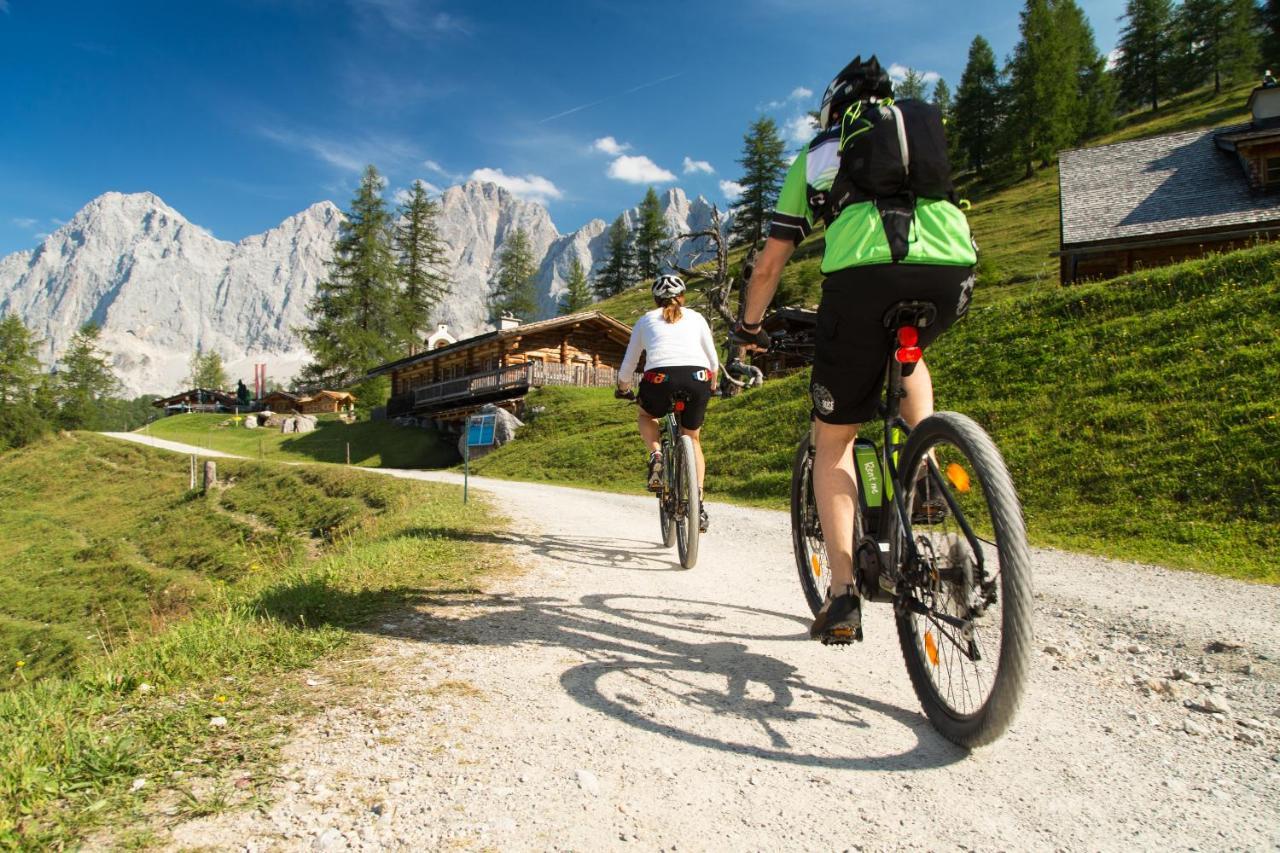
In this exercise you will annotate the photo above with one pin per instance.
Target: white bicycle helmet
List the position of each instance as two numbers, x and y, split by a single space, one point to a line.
667 286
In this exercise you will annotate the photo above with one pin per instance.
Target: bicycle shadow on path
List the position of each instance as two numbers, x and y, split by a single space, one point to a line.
634 555
650 665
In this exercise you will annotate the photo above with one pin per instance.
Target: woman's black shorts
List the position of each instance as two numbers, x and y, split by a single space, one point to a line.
661 385
852 342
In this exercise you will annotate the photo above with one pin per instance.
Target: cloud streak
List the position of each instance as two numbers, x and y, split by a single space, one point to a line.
531 187
349 156
691 166
599 101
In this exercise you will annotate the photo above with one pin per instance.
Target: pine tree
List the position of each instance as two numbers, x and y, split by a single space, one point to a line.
84 379
1091 107
356 326
764 168
422 264
578 294
1042 87
977 108
913 86
1241 46
617 273
942 99
207 371
652 239
19 364
1145 51
1270 14
514 291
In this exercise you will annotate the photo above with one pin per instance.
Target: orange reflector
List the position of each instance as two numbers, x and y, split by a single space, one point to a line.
931 648
816 565
958 477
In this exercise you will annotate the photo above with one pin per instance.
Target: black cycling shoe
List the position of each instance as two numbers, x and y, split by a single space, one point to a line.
703 521
839 622
655 472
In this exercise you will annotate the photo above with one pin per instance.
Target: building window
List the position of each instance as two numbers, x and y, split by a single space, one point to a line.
1272 170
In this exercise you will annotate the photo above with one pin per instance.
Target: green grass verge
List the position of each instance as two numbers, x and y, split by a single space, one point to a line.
374 444
1138 417
140 610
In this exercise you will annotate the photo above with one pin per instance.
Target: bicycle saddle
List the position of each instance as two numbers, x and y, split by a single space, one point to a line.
910 313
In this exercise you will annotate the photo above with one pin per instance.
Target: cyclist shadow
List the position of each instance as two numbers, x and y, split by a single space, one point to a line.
648 663
633 555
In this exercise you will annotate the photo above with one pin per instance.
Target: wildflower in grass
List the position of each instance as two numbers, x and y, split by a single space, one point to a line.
220 699
20 664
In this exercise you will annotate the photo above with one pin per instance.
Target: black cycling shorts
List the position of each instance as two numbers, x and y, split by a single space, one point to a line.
853 344
661 385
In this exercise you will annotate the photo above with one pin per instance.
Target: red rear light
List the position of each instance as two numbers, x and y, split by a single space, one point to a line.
908 336
679 405
908 355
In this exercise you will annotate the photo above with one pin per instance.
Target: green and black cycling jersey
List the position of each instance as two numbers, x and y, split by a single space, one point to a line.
939 232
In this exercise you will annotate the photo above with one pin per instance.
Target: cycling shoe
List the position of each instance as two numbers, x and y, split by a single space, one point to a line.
839 622
655 472
703 521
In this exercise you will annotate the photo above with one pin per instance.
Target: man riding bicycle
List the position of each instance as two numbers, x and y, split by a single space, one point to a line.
876 173
680 361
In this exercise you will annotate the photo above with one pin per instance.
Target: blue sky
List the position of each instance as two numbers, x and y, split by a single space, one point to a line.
241 112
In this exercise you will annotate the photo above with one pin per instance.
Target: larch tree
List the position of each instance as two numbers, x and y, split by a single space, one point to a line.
514 291
19 363
652 237
618 271
355 311
913 86
1270 17
422 262
577 295
942 99
1145 44
1042 87
84 379
764 167
207 371
1092 104
977 111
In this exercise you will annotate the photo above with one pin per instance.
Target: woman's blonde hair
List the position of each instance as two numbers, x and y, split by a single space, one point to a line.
671 307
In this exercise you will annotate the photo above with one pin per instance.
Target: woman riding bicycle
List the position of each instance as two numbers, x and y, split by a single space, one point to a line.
680 362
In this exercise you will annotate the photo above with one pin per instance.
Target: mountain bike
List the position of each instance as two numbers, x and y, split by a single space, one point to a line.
679 499
939 534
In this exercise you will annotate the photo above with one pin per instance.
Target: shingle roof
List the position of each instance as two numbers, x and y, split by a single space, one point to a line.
1161 185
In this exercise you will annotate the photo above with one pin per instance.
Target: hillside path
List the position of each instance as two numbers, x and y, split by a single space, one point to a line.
604 699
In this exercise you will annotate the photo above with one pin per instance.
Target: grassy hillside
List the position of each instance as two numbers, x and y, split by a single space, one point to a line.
374 444
1138 416
133 611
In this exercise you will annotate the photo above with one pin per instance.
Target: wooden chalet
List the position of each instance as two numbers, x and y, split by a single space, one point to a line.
197 400
312 403
449 382
1169 198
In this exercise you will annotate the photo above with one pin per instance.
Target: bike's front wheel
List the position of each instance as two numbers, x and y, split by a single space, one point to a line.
965 623
689 499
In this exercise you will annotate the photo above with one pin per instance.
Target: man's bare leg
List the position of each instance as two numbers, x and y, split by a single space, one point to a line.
836 493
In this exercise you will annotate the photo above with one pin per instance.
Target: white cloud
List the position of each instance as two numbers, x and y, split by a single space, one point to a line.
898 73
24 221
801 128
40 235
610 146
638 169
732 190
433 166
799 93
531 187
401 195
691 166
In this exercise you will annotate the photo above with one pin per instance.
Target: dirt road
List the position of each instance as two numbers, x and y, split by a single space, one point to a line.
606 699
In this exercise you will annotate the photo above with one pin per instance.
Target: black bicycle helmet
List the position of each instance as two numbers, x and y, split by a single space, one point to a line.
858 81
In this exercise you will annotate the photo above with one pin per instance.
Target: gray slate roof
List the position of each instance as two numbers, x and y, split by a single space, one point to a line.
1158 186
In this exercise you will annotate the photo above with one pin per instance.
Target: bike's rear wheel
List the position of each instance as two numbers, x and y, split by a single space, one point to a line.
969 679
690 500
666 522
806 531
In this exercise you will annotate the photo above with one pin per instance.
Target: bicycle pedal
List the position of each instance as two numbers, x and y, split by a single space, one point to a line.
842 636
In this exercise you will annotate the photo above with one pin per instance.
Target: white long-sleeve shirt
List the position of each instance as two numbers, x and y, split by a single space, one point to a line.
684 343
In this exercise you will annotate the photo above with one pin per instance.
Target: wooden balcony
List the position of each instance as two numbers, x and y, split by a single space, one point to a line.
494 385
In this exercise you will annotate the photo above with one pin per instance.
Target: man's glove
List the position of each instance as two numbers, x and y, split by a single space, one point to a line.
743 335
620 394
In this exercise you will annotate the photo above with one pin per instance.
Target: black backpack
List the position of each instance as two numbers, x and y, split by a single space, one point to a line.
892 155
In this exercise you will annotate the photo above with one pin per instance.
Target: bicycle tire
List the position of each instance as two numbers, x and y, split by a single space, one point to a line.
988 721
814 578
666 524
687 531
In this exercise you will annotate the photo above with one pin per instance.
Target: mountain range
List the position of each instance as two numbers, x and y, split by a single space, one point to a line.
161 287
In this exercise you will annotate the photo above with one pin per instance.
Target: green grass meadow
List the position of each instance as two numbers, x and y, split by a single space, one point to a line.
133 611
373 444
1138 416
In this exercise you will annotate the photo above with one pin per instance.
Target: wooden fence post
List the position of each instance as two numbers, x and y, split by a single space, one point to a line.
210 474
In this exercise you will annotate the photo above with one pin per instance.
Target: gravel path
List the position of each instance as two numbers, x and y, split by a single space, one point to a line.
605 699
